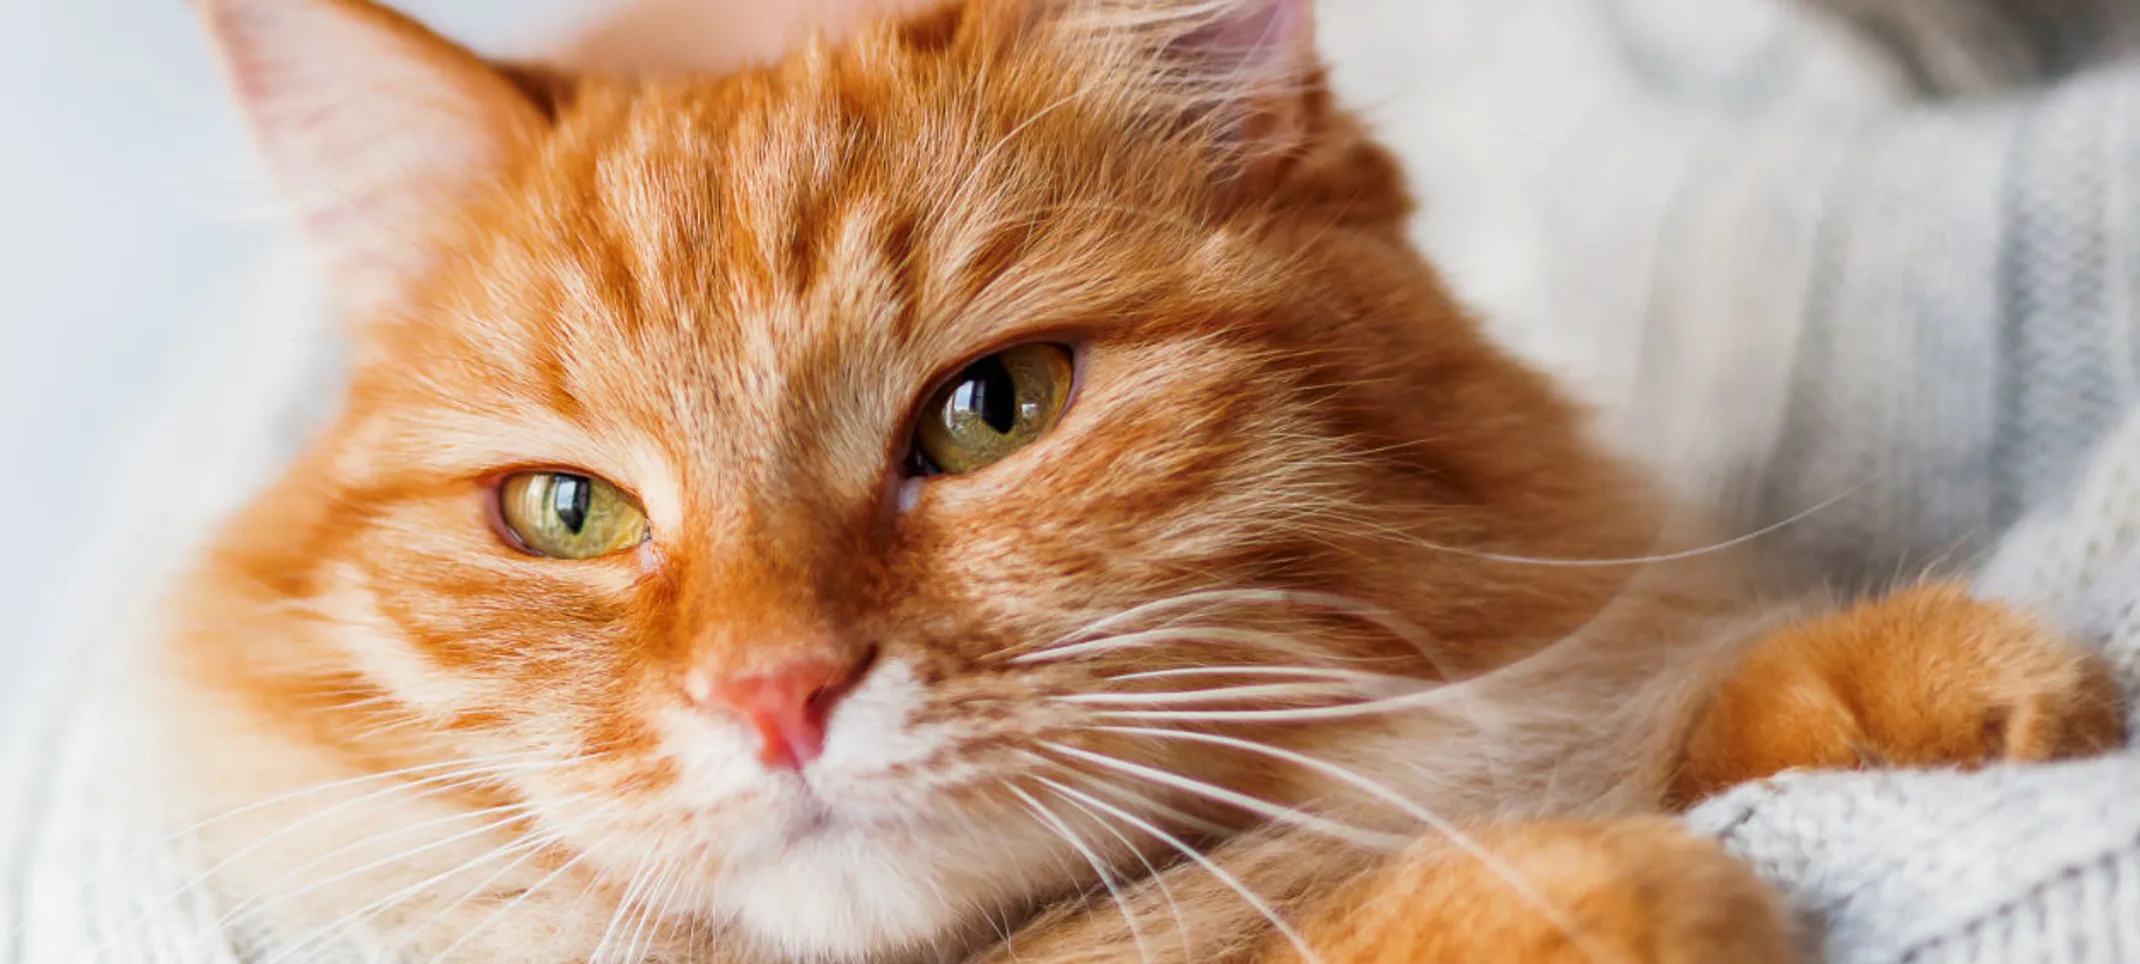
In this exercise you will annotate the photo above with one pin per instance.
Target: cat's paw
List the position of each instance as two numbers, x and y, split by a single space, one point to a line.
1564 892
1926 677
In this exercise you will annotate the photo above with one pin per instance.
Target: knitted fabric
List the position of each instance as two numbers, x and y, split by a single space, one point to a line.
1885 265
1878 276
2013 864
1785 274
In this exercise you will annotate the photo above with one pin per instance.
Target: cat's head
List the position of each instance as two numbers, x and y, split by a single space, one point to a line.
816 477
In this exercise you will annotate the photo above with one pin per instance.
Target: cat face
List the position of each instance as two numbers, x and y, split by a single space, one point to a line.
834 482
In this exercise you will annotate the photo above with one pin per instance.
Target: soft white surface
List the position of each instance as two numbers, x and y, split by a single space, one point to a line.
112 147
131 217
121 152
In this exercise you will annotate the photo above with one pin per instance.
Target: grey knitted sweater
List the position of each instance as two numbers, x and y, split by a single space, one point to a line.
1878 258
1882 259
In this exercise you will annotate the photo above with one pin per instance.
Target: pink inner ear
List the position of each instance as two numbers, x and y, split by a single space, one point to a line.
1252 41
376 129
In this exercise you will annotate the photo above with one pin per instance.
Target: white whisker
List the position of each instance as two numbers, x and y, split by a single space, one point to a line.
640 880
1381 707
1695 553
1174 816
1219 873
459 773
1149 637
533 848
1358 679
1107 877
1181 923
383 904
1224 694
1437 822
505 909
1256 805
255 903
644 920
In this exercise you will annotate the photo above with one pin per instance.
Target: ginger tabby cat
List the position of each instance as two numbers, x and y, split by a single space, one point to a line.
998 486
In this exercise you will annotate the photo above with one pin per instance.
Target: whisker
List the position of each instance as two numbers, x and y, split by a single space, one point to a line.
439 783
454 817
1359 679
1224 694
1174 816
1256 805
376 907
1107 877
1398 704
1441 825
640 880
1092 637
1219 873
1108 644
534 848
1254 596
1682 555
255 903
664 884
474 765
505 909
1181 923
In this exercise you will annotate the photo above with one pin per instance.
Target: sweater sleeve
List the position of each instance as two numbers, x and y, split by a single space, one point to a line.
1868 268
2037 864
2024 864
1786 270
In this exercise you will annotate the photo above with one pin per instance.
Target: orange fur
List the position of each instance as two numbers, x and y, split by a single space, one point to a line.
1629 890
1291 465
1925 677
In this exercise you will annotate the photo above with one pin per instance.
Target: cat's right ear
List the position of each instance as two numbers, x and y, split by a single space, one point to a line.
378 130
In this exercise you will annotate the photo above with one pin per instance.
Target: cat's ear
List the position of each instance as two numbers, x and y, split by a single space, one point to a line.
378 130
1245 72
717 37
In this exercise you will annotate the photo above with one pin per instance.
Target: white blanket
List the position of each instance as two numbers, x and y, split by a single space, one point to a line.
1788 262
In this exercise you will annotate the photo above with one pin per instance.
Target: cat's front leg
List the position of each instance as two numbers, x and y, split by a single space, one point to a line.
1642 891
1925 677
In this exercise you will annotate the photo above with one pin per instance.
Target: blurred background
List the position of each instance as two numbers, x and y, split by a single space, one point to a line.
132 216
1791 250
134 221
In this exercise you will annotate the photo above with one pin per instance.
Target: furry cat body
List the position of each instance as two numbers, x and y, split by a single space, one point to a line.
1262 609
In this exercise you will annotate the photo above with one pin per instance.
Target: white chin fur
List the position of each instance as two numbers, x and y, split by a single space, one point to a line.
875 871
843 897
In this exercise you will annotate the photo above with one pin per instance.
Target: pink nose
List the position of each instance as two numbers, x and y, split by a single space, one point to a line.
787 707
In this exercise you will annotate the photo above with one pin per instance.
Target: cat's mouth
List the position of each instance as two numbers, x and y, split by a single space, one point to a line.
812 818
808 813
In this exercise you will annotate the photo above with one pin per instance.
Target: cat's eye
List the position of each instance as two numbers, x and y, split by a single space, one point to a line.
994 407
567 516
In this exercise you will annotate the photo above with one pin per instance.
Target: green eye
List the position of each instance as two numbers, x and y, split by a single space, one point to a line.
567 516
997 406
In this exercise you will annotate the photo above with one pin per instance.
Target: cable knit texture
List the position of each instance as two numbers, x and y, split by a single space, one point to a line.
1878 258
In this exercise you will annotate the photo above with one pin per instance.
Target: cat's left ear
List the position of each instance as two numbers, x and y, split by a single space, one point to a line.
1241 75
378 130
1254 63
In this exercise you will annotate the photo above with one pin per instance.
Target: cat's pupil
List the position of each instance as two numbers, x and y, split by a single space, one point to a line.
986 390
570 496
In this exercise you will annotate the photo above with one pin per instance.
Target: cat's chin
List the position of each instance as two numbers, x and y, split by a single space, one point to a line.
853 862
840 890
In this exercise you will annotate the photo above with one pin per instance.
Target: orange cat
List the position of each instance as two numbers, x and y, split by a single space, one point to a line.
997 486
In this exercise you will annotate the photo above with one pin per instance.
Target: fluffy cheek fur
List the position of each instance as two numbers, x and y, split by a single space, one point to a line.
910 829
1285 452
